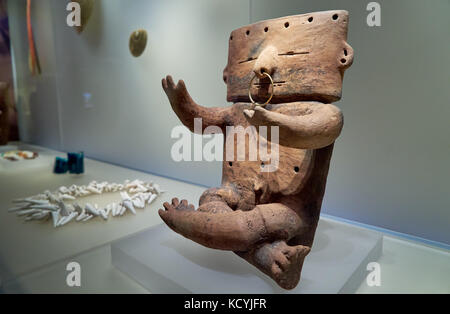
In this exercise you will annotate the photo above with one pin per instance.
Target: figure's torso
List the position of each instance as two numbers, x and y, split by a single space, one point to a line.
294 169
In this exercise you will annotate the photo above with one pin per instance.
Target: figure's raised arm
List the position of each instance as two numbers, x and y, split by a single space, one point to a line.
319 127
187 110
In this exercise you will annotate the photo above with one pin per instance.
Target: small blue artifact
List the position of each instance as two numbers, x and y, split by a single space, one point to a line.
73 164
60 165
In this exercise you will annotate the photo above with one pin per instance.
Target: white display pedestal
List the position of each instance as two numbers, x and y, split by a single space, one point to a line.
165 262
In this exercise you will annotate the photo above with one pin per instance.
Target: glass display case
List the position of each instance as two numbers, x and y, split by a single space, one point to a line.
224 146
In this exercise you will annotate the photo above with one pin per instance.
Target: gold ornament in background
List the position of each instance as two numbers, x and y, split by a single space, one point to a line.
138 42
87 6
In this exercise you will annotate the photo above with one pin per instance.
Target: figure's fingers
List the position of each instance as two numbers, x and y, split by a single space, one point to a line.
170 82
184 203
303 251
164 84
261 112
283 262
264 116
257 116
175 202
288 252
276 270
168 206
249 113
182 85
191 207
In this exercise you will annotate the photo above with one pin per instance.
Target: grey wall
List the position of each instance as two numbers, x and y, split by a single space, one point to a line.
390 164
129 119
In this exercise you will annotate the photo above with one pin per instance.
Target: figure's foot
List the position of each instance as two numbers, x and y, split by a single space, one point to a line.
171 210
177 205
282 262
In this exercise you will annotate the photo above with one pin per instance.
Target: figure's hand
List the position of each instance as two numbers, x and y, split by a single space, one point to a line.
177 94
318 128
260 116
171 214
187 110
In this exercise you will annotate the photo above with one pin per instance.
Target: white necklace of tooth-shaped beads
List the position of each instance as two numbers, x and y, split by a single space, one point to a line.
134 194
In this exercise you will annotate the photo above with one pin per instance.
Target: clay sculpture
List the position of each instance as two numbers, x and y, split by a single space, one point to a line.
269 218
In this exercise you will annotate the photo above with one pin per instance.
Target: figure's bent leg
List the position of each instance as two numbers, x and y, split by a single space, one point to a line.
218 200
236 199
237 230
281 262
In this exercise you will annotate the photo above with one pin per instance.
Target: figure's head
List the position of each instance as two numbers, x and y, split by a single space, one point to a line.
306 55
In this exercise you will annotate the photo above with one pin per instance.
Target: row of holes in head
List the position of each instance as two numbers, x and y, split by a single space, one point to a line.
286 25
296 169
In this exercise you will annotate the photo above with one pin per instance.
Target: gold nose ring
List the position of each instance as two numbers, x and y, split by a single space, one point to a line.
250 90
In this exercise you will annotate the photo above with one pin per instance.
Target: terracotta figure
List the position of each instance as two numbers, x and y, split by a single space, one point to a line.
269 218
